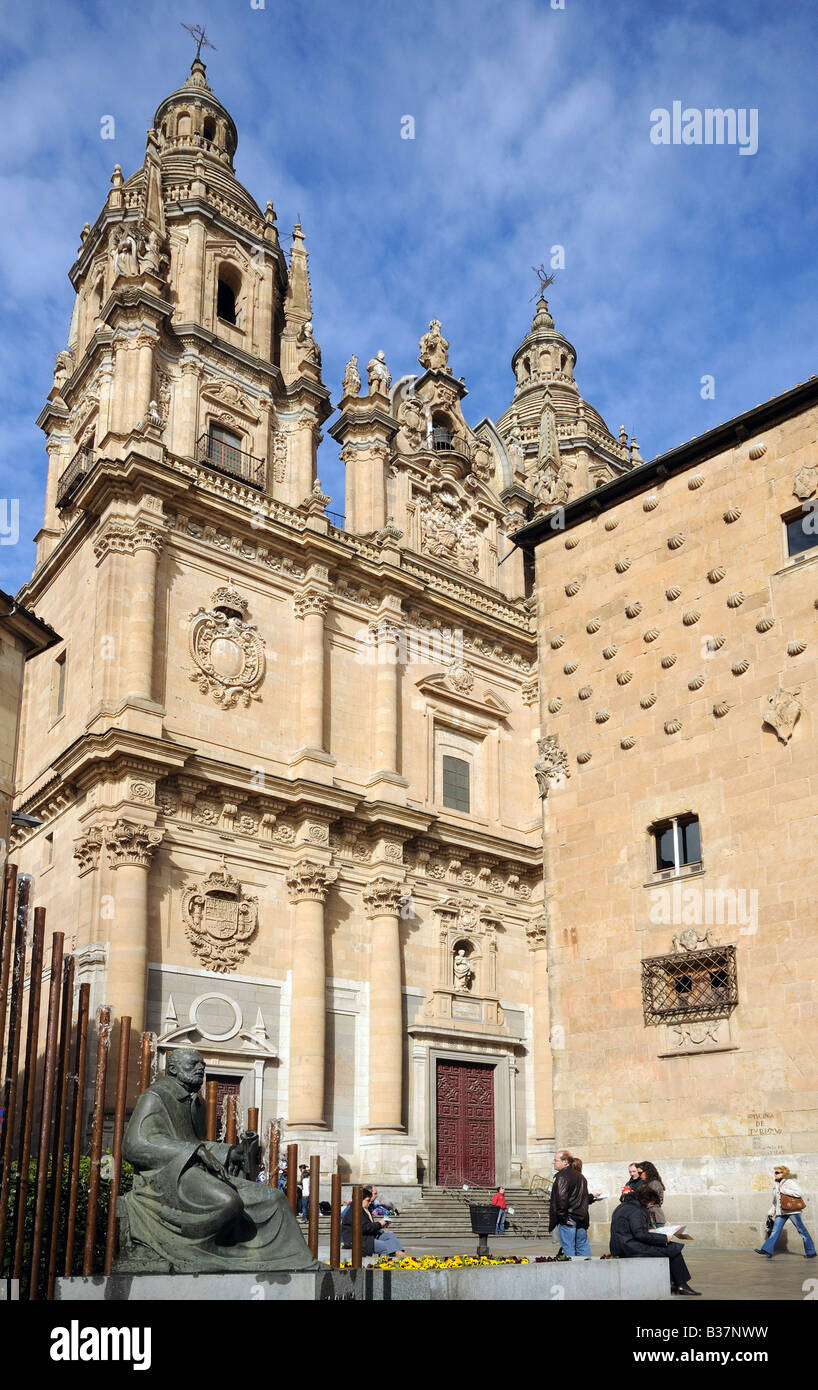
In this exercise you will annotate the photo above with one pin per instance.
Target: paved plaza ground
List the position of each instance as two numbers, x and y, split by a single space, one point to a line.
720 1275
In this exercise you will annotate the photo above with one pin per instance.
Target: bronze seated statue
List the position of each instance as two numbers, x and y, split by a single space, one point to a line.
192 1208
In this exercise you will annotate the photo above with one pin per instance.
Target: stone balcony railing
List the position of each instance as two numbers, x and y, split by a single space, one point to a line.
234 462
81 463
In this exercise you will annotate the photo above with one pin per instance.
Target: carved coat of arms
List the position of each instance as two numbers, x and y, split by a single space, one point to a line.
805 482
551 767
782 712
219 921
227 651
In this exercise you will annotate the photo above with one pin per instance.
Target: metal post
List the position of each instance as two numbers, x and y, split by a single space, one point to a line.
231 1135
119 1130
27 1098
103 1043
292 1175
47 1111
78 1101
6 932
335 1222
273 1153
211 1102
57 1164
315 1194
252 1119
13 1053
145 1062
357 1226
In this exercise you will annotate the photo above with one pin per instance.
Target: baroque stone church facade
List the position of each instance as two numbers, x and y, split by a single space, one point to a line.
283 765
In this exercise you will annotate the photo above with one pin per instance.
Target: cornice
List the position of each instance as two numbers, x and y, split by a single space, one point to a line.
120 750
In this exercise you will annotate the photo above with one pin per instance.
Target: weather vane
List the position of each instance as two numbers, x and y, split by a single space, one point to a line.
202 41
545 280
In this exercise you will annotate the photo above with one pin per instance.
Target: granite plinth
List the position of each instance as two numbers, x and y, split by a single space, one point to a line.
592 1280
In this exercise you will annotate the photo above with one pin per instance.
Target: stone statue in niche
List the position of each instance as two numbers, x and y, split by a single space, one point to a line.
463 973
125 257
192 1208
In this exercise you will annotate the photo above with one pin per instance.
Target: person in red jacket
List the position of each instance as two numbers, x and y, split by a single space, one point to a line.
499 1201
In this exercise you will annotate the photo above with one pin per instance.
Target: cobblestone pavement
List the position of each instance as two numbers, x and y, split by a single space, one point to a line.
720 1275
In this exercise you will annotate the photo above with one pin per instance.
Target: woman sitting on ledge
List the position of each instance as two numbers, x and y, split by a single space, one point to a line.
374 1239
632 1236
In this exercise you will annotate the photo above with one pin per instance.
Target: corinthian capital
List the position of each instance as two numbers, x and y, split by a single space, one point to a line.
382 897
128 842
86 851
309 882
310 601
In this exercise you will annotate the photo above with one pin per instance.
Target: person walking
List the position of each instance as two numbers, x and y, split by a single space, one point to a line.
499 1201
568 1208
633 1237
650 1177
304 1193
787 1204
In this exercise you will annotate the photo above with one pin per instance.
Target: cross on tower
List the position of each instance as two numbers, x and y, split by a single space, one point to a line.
202 41
545 280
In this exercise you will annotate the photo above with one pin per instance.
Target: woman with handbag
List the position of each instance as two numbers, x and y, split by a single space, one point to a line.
788 1203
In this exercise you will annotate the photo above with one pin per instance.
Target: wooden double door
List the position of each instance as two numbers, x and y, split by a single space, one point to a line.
465 1123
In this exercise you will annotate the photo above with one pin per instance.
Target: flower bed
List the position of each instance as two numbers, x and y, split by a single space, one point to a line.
463 1261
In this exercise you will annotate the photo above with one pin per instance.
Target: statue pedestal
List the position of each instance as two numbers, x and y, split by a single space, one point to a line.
388 1159
311 1143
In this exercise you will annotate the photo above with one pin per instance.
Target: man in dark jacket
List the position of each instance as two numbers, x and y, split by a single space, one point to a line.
632 1236
568 1209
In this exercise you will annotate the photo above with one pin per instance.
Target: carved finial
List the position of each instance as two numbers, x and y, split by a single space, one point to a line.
116 177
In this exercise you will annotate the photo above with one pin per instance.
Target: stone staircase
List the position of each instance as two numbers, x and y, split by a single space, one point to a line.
443 1214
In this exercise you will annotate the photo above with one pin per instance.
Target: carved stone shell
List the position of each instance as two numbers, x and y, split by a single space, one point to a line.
650 504
554 704
610 651
624 677
612 523
573 587
758 450
585 756
672 726
668 661
571 542
715 644
696 480
732 514
764 624
594 625
676 541
627 742
585 692
739 667
602 716
648 700
651 634
570 667
673 592
633 609
558 641
736 600
696 683
721 708
796 648
691 616
716 574
624 564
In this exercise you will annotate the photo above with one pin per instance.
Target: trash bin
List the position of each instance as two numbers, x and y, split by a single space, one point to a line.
483 1223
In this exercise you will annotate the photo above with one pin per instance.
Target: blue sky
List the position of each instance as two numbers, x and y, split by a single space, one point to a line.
532 129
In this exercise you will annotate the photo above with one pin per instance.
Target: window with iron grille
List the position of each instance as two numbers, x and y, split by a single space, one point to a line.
690 986
456 784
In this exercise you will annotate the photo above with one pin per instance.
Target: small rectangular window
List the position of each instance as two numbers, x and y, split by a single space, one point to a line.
677 843
59 686
456 784
802 530
48 850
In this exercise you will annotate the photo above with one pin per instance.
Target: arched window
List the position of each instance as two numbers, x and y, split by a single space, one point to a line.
527 366
441 432
183 123
227 294
209 128
224 448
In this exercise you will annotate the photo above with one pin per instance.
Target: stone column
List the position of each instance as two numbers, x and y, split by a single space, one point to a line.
308 884
310 607
543 1085
130 847
141 610
382 901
